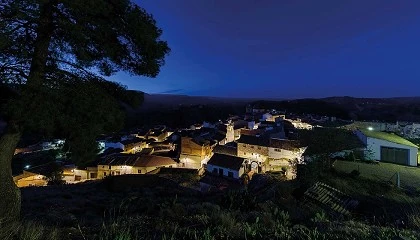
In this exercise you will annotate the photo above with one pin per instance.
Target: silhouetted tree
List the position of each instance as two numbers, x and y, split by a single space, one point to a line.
55 175
53 54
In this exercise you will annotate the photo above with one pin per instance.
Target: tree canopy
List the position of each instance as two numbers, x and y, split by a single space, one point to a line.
55 54
54 57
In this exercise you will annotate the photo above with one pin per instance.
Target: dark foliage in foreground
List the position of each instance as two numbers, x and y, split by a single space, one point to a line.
159 208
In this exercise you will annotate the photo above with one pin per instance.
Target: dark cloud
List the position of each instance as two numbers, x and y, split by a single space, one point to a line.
173 91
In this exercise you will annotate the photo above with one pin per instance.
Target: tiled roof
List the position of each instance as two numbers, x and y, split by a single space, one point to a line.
153 161
223 149
226 161
330 199
119 160
268 123
137 160
253 140
284 144
252 132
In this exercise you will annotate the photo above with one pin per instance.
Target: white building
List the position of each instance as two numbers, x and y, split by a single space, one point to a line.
226 165
388 147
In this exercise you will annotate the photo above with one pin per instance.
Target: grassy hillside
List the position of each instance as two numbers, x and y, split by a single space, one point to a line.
159 207
385 172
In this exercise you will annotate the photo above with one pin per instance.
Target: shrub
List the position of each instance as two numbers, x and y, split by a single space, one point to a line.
27 231
240 199
350 157
354 174
320 217
414 221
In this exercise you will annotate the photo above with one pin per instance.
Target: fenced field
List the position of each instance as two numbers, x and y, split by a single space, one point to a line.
409 176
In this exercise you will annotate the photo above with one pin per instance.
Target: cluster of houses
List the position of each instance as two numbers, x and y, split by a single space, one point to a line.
260 141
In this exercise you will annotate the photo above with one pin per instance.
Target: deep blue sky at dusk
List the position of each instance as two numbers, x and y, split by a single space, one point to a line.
286 48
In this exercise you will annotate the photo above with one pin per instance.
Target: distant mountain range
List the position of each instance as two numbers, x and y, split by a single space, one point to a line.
385 109
154 101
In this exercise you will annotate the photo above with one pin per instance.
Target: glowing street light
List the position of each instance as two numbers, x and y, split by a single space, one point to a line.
370 128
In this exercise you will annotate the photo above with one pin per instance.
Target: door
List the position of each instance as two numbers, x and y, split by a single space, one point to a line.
395 155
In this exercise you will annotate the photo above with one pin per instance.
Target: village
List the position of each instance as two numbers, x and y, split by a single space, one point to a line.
261 141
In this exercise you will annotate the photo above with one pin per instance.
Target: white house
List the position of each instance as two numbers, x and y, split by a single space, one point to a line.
388 147
226 165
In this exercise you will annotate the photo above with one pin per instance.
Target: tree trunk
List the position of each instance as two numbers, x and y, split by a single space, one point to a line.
9 193
10 201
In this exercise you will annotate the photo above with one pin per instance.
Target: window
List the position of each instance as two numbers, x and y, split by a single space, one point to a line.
244 153
252 146
277 149
139 171
230 174
259 148
77 178
214 170
117 173
104 174
93 175
109 167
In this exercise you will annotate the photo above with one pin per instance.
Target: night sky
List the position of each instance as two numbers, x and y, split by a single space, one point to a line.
286 48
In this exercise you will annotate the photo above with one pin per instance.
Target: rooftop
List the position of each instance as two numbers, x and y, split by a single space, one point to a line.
226 150
388 137
284 144
226 161
153 161
137 160
254 140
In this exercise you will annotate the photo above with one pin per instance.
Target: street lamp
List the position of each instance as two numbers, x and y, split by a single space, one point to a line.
370 128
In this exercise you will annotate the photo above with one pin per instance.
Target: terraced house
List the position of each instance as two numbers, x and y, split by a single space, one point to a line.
266 153
282 152
255 150
120 164
195 152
